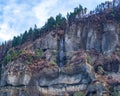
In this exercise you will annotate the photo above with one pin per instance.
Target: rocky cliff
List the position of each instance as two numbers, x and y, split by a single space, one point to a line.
82 60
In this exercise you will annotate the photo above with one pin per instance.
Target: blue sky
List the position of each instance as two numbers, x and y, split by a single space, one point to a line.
16 16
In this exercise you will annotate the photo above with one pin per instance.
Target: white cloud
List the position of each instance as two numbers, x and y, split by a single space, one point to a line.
41 10
4 31
16 18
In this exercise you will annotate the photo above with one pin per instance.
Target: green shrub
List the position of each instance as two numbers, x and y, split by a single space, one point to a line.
10 56
89 59
100 70
55 52
22 51
39 53
30 58
115 92
53 63
7 58
117 53
14 54
79 94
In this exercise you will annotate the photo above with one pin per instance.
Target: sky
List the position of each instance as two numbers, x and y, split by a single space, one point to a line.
16 16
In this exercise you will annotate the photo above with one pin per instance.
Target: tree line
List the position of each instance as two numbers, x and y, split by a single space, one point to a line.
80 12
33 33
105 6
59 22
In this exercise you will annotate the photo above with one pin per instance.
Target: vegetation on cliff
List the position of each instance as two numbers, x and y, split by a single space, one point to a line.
32 34
32 56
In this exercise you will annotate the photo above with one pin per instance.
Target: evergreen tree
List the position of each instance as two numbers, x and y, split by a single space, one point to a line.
36 33
24 37
60 22
51 23
16 41
30 34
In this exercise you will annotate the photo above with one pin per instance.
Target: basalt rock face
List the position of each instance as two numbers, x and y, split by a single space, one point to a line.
46 79
41 78
49 41
102 37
